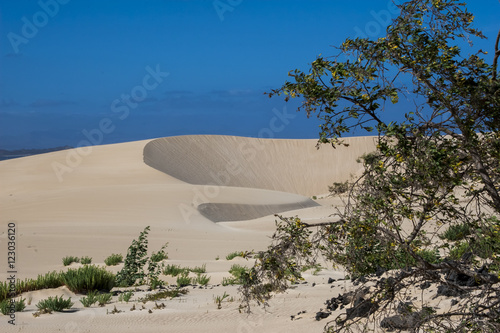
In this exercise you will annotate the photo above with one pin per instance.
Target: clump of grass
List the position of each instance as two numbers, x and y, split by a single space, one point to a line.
113 259
90 300
174 270
233 255
49 280
85 260
201 279
7 305
54 304
238 272
88 278
104 299
457 232
125 297
68 260
163 295
199 270
183 279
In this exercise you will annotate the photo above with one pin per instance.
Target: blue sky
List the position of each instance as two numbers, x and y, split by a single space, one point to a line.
135 70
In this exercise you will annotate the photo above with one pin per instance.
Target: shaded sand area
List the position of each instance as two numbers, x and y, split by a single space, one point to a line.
206 196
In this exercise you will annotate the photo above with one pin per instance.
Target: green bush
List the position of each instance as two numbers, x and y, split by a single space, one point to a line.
200 269
133 268
85 260
125 297
113 260
457 232
183 279
88 278
201 279
54 304
5 305
238 272
104 299
49 280
68 260
174 270
90 300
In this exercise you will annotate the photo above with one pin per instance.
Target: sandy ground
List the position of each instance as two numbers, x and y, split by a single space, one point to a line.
94 201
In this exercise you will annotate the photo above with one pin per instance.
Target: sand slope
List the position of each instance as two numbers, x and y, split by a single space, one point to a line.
293 166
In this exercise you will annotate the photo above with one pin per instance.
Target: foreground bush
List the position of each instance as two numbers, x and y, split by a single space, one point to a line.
88 278
54 304
49 280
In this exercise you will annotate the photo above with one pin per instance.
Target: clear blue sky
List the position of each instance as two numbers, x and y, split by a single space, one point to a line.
135 70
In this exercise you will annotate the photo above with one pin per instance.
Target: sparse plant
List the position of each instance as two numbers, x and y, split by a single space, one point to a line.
113 259
219 299
233 255
56 303
68 260
125 297
199 269
338 188
163 295
183 279
90 299
173 270
201 279
7 305
104 299
86 260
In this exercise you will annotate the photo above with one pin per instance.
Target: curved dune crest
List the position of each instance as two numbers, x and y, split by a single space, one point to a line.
286 165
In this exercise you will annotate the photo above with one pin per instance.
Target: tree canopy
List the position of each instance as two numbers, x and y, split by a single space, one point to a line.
427 205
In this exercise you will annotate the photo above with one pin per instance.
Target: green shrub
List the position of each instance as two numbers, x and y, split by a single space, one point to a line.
201 280
233 255
163 294
5 305
133 268
104 299
238 272
457 232
54 304
85 260
49 280
68 260
201 269
90 300
125 297
183 279
88 278
113 260
174 270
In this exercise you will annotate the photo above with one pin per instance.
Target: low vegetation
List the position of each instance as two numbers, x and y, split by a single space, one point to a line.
113 259
56 303
88 278
6 305
68 260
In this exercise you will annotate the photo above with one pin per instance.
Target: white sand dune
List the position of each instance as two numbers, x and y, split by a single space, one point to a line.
107 195
293 166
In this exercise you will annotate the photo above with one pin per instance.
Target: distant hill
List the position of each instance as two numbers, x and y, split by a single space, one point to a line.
9 154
